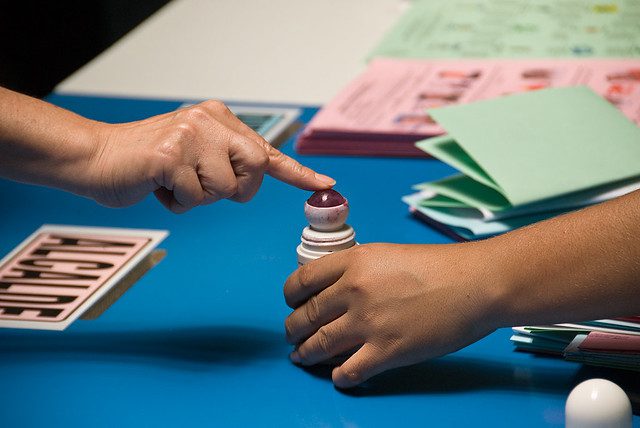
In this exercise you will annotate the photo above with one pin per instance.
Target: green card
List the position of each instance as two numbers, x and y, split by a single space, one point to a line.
536 145
466 190
449 151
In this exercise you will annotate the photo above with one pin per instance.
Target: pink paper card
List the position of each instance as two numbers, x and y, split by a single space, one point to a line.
629 319
392 95
59 272
611 342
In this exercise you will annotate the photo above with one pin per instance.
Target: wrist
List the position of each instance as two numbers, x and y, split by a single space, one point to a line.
492 269
46 145
78 173
507 283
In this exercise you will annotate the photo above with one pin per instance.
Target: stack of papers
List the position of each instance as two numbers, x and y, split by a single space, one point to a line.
384 110
526 157
609 343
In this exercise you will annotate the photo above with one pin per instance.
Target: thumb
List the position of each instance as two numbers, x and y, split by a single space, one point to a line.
367 362
290 171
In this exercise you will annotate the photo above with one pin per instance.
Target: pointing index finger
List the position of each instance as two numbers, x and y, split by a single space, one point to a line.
290 171
281 166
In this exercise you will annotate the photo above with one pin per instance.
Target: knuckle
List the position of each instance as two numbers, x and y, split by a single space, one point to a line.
288 330
184 131
228 189
259 161
297 168
277 157
305 276
216 106
324 340
170 154
174 145
368 318
264 160
312 310
197 114
255 157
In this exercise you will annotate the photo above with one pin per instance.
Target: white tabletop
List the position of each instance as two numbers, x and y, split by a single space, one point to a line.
285 51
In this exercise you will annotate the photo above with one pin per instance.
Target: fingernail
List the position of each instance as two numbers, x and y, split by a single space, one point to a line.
295 357
325 179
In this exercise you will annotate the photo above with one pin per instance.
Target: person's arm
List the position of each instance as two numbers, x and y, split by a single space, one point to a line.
408 303
190 157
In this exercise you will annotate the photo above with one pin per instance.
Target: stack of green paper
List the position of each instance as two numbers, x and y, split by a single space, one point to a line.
527 157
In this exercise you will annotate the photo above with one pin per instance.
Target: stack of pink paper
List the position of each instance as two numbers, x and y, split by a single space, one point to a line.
383 112
606 349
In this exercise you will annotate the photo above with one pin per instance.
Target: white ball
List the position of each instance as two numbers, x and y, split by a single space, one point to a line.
598 403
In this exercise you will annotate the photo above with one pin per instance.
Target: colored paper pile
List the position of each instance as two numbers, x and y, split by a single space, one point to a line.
521 45
524 158
383 112
609 343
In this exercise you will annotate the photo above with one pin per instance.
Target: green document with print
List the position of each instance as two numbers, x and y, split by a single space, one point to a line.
514 29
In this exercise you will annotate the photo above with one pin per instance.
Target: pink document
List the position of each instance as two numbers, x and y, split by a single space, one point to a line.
60 272
609 342
383 111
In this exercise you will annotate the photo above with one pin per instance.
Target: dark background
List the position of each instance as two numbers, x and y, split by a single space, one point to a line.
43 42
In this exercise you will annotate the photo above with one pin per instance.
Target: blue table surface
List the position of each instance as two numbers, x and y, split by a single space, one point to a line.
199 340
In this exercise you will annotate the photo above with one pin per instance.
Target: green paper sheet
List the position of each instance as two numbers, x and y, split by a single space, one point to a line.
514 29
449 151
471 225
444 201
466 190
538 145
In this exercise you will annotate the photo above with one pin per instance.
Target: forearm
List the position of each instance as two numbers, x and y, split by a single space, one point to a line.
44 144
576 267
